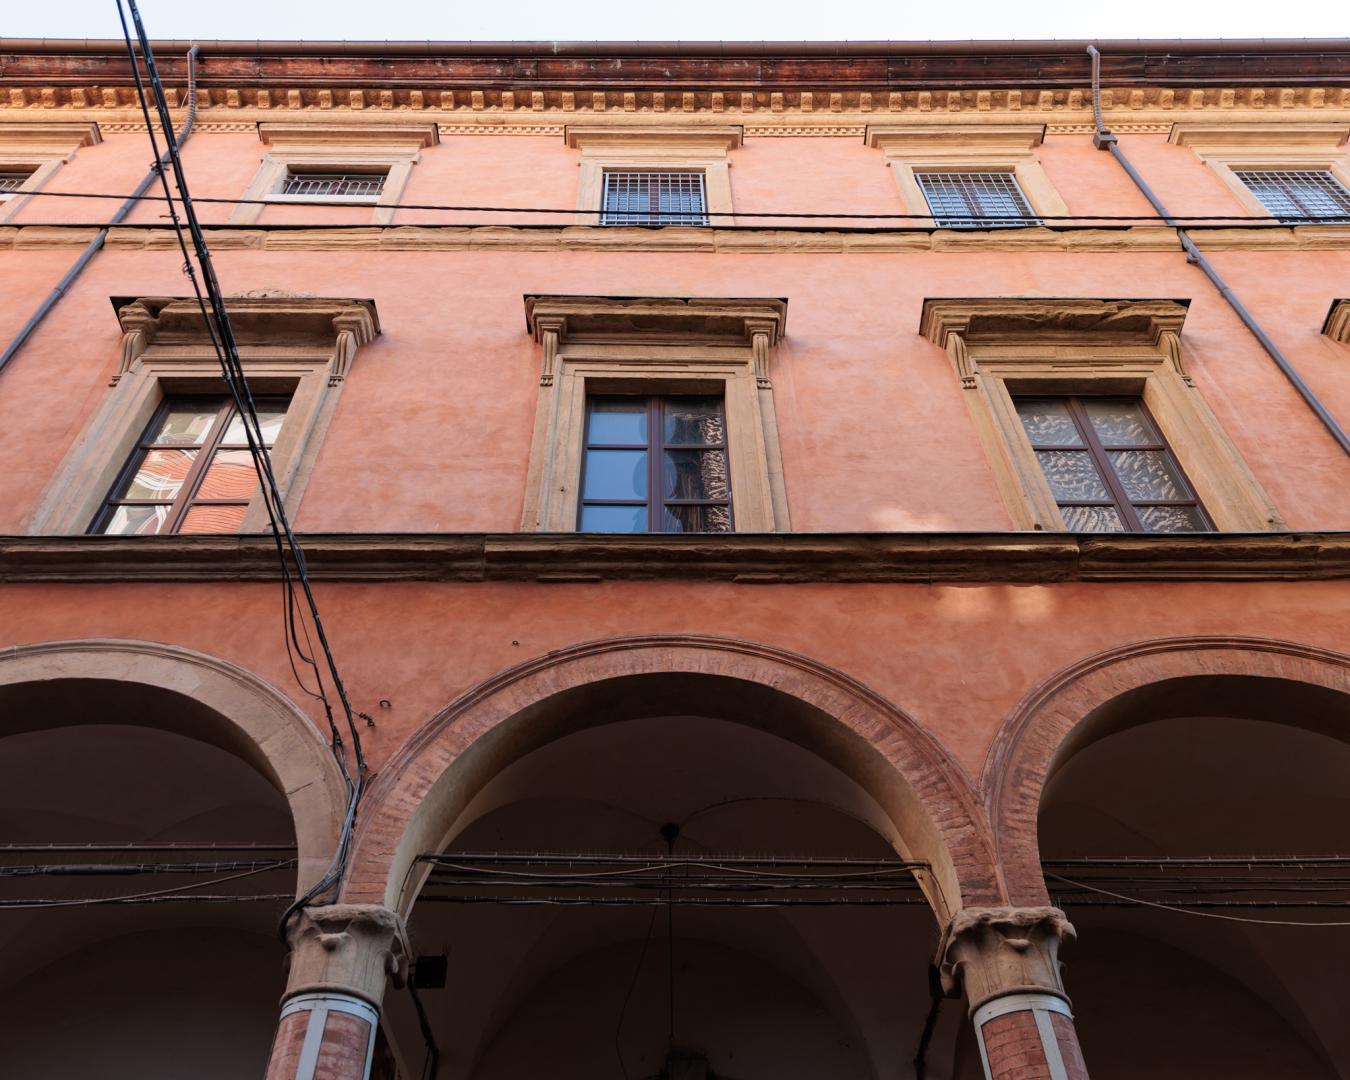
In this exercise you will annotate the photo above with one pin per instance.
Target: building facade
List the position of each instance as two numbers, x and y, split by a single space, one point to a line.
837 557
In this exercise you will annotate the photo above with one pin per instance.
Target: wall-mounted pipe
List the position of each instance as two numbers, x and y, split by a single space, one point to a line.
1104 140
97 242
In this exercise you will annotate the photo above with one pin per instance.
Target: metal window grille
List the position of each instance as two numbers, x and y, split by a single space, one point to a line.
666 198
12 181
1298 195
333 185
975 200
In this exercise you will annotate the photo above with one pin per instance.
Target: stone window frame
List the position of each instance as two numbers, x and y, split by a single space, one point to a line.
296 345
1050 346
973 147
651 346
1337 323
1295 145
650 148
393 149
42 148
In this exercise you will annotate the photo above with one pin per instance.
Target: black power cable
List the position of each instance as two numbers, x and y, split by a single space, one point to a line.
217 321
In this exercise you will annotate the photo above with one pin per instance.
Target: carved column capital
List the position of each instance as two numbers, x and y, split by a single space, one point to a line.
348 949
991 952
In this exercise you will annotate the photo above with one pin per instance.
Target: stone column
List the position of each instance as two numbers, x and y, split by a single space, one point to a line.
1006 961
341 957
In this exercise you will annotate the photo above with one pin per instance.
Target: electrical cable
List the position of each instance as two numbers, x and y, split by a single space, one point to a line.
1177 220
935 998
220 332
95 901
632 985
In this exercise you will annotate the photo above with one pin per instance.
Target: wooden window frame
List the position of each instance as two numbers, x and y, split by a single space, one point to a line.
187 498
1227 148
683 148
1119 500
299 347
649 346
1008 148
39 149
1049 347
656 446
386 148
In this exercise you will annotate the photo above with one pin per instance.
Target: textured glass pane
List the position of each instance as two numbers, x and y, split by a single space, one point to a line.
136 520
1171 519
613 519
694 421
696 474
1120 423
185 426
697 519
1148 475
213 519
1092 519
230 476
269 419
615 474
618 423
160 475
1072 475
1047 422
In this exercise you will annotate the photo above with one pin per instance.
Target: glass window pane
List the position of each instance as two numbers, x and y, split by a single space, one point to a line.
136 520
1092 519
269 420
1047 422
1148 475
160 475
230 476
1171 519
1072 475
213 519
696 474
618 423
1120 423
713 519
613 519
185 425
694 421
615 474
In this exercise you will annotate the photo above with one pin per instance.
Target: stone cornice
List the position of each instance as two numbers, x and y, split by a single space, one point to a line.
621 317
490 237
753 559
275 319
1040 319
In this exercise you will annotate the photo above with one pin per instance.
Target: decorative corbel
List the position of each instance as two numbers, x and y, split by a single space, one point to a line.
761 333
956 349
354 329
1171 342
138 329
550 330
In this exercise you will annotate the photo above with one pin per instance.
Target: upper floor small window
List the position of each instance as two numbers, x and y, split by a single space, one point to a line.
654 198
11 180
333 185
1108 467
975 200
656 464
192 471
1298 195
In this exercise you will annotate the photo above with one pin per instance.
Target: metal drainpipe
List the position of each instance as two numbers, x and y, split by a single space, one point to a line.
97 242
1102 139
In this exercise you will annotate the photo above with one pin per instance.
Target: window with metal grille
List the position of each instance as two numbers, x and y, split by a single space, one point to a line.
1298 195
191 472
1108 467
975 200
656 464
12 181
333 185
654 198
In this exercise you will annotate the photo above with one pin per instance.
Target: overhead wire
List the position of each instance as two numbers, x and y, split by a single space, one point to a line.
215 316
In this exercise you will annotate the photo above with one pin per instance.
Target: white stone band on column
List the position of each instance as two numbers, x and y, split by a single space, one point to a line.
1040 1006
319 1006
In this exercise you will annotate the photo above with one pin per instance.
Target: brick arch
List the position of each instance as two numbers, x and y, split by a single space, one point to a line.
216 702
423 789
1045 726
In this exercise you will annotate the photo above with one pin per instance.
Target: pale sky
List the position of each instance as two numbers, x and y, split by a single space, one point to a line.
688 20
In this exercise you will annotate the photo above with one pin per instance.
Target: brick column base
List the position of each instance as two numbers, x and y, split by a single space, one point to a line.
324 1037
1028 1037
